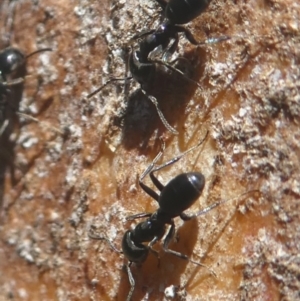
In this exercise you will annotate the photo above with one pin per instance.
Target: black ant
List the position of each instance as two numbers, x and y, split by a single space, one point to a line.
176 13
11 61
12 64
174 198
142 67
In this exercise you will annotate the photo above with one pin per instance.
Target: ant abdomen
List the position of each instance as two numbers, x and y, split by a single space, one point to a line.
181 193
182 12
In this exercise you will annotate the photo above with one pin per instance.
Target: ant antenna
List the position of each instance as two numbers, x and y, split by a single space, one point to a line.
214 40
37 51
13 82
95 236
175 159
114 79
177 71
186 217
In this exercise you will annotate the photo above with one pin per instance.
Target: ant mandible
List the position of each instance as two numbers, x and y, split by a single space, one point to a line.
174 198
142 67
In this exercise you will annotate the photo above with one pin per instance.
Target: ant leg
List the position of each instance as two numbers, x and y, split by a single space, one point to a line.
186 33
160 186
178 254
153 169
160 114
148 170
106 84
156 182
177 158
155 253
193 41
186 217
131 281
139 215
13 82
165 57
150 167
214 40
3 126
149 191
181 59
178 71
102 237
142 34
170 50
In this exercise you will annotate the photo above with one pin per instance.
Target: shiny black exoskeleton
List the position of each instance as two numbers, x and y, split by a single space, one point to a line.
11 61
182 11
177 196
142 67
176 13
174 198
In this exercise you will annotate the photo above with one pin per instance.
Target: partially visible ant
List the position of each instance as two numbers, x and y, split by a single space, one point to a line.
142 67
11 61
176 13
174 198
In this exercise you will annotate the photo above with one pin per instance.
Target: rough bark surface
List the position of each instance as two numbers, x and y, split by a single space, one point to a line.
72 162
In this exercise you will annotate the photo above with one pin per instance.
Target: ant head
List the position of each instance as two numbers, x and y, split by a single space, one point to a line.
133 252
141 72
10 60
